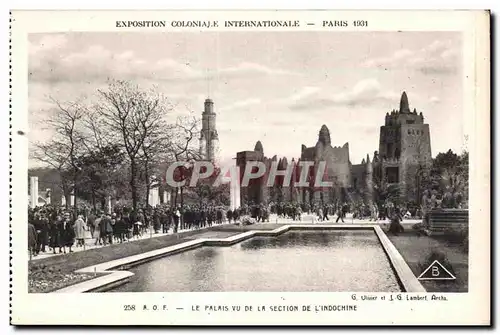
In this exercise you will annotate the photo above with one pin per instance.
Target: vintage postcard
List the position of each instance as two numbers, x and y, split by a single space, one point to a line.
250 168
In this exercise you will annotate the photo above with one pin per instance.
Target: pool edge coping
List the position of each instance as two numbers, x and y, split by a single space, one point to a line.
112 276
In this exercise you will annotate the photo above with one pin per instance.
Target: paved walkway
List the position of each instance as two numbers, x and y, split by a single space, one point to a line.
90 243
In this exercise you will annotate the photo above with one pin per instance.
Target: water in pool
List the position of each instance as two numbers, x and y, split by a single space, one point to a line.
325 261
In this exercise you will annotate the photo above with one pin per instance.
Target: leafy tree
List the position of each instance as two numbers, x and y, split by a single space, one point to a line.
451 170
98 169
205 190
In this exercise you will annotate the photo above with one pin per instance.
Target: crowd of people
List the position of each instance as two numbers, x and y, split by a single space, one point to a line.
57 228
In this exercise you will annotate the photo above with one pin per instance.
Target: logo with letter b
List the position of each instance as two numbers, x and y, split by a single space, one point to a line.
436 271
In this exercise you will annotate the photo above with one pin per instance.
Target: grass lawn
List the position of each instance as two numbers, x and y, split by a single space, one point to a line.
417 251
52 273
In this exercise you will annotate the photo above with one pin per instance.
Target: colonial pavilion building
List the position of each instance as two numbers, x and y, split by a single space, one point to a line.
404 153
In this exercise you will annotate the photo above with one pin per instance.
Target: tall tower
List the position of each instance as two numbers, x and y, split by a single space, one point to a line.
404 148
369 180
209 138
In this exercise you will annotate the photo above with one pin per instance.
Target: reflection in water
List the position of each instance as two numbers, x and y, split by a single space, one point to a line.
294 261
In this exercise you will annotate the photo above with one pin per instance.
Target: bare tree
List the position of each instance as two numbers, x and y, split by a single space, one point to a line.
135 117
153 154
182 145
66 144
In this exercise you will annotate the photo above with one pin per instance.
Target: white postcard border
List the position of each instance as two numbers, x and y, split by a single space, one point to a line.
461 308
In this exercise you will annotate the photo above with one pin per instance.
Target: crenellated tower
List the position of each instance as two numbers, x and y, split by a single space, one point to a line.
404 147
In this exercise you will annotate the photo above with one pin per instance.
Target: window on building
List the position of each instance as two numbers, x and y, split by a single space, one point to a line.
392 174
355 182
410 121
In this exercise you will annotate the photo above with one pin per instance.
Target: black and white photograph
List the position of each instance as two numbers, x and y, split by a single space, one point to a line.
110 112
178 165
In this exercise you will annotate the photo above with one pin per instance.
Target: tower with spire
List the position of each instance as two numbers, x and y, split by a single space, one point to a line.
404 147
209 138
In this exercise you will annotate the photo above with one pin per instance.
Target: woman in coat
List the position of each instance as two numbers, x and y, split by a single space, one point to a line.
79 231
55 234
68 233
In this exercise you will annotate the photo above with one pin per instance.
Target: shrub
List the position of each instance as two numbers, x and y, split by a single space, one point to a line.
460 236
246 220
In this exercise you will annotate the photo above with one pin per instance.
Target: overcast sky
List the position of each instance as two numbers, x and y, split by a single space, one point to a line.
278 88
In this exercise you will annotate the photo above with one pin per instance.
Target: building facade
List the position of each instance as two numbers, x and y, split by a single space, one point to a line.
256 192
337 170
403 155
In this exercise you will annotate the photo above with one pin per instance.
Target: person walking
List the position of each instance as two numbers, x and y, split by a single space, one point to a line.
120 228
80 231
68 232
55 233
165 220
42 228
139 222
32 239
96 235
177 216
102 229
325 213
340 214
109 229
90 222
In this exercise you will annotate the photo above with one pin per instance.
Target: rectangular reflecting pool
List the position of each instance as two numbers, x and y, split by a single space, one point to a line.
316 260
